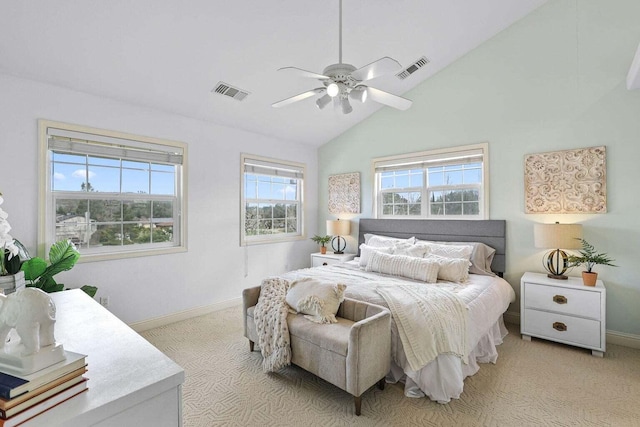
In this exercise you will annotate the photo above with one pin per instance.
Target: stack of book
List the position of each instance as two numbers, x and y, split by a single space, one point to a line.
24 397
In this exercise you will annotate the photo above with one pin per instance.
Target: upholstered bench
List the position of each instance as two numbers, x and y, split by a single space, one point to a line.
352 354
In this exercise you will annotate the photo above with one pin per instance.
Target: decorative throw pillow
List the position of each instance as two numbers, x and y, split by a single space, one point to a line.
400 265
408 249
481 256
385 241
317 300
449 251
451 269
366 251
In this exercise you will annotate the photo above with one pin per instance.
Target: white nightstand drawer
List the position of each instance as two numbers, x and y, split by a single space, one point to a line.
575 302
561 328
318 259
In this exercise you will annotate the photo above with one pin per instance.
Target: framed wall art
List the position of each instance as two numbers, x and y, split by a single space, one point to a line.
568 181
344 193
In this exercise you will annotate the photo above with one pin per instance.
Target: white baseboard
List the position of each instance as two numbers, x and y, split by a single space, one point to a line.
183 315
620 338
613 337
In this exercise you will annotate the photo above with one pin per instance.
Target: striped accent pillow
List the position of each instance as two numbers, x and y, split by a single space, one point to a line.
414 268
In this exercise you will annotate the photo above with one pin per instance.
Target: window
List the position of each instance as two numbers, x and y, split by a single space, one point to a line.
114 195
449 183
272 204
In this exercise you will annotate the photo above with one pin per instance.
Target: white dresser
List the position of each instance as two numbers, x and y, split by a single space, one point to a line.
131 383
565 311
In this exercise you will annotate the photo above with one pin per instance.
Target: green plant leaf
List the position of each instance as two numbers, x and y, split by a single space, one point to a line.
34 268
90 290
49 285
63 255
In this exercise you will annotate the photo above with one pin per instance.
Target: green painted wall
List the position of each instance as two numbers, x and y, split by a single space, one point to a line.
554 80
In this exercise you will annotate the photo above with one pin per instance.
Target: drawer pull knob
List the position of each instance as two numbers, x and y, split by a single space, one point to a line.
559 326
324 263
559 299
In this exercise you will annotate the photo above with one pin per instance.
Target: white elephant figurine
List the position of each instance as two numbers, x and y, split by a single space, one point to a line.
33 314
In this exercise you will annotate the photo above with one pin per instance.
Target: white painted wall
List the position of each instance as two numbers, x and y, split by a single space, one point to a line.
213 269
553 81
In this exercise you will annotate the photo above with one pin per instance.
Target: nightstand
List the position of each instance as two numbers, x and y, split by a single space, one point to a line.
329 258
564 311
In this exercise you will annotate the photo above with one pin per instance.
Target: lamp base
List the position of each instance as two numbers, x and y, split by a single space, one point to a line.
338 244
557 276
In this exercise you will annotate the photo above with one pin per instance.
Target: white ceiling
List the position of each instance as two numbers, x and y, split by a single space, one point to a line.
169 54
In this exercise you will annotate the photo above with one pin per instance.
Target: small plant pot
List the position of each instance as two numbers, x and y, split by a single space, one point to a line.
589 279
323 250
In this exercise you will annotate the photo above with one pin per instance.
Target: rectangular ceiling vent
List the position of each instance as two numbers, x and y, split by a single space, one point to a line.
412 68
232 92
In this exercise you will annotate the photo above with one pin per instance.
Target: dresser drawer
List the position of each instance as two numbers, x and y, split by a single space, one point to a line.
577 331
574 302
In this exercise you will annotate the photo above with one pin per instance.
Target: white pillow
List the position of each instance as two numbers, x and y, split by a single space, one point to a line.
451 269
318 300
384 241
407 249
399 265
481 256
449 251
366 250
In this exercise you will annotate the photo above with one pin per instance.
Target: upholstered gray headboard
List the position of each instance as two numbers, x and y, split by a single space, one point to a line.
490 232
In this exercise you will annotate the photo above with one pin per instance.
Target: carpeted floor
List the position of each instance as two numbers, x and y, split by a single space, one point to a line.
534 383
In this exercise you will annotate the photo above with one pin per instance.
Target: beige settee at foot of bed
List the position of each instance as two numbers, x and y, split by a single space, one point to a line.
352 354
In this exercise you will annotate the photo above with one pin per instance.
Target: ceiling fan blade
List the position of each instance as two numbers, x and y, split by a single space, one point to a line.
304 73
298 97
377 68
389 99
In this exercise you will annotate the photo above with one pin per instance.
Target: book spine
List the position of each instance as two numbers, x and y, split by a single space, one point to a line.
5 392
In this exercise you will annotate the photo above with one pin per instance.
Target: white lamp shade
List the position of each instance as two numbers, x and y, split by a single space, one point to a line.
557 236
338 228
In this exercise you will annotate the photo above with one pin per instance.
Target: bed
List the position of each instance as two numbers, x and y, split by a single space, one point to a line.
485 296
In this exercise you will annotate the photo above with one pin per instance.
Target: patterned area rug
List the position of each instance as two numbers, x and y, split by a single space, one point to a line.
534 383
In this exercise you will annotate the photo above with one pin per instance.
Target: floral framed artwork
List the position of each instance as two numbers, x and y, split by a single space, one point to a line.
344 193
568 181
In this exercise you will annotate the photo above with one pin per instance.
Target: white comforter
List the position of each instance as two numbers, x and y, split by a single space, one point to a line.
486 299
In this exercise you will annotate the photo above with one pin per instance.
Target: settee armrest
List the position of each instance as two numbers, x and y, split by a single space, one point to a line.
369 356
249 299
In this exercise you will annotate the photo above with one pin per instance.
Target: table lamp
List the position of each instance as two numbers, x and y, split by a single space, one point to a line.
559 236
338 228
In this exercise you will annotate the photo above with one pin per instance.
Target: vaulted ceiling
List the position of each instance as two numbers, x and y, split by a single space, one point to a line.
169 55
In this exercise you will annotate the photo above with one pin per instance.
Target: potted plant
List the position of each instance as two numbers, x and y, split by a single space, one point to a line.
590 258
63 255
10 275
321 240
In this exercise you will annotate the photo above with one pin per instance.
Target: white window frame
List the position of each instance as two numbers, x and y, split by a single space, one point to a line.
424 159
128 145
273 167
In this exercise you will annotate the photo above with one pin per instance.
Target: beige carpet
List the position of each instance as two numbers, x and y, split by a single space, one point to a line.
534 383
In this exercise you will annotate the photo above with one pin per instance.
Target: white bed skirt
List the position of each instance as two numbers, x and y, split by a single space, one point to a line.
443 378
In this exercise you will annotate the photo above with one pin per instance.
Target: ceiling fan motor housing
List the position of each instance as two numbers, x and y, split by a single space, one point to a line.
341 74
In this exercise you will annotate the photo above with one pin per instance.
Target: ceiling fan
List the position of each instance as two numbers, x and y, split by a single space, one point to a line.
342 82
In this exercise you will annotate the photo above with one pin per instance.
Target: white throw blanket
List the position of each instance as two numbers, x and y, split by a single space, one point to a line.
270 316
430 320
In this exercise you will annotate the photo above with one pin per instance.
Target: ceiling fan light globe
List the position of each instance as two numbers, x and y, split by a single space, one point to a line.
359 93
346 106
323 101
333 89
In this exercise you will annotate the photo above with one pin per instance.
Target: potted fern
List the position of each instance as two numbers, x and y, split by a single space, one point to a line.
321 240
590 258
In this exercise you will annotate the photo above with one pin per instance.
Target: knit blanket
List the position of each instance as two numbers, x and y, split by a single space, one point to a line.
270 316
430 321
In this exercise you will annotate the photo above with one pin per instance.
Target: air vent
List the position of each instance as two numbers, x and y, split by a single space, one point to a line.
412 68
232 92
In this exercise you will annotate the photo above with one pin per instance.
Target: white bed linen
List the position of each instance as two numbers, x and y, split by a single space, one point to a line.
486 297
